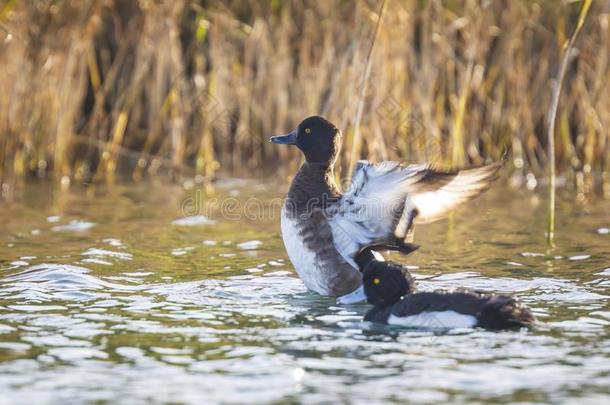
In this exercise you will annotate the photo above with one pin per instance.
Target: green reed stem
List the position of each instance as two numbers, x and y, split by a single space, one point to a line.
567 49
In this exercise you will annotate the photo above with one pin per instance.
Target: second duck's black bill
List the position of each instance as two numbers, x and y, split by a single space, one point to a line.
288 139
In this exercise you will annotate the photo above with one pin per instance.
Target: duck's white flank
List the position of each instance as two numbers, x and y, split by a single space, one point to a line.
303 259
435 320
354 297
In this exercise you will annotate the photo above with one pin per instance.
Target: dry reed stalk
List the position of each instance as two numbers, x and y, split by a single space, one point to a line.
203 87
356 138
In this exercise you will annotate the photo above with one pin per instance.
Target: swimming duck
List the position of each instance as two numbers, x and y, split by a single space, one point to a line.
325 231
390 288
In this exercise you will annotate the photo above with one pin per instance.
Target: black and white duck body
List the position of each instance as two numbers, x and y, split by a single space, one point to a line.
390 288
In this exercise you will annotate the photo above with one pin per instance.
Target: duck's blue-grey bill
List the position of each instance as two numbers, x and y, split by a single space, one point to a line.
288 139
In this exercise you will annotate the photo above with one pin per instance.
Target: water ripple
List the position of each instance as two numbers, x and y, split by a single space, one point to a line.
140 311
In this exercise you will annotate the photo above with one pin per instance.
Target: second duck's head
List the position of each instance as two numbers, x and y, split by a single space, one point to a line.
317 138
385 283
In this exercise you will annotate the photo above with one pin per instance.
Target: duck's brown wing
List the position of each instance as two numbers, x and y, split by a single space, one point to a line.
385 199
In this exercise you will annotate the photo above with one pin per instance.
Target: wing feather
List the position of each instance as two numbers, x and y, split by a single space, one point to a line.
437 193
385 199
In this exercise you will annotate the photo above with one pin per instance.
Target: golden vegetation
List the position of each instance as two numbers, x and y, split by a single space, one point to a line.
89 89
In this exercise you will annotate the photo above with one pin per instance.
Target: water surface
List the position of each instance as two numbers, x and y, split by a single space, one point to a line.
109 295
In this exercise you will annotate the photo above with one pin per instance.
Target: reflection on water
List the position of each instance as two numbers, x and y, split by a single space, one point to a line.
110 295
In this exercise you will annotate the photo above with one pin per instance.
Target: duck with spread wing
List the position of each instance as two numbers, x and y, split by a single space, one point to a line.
329 235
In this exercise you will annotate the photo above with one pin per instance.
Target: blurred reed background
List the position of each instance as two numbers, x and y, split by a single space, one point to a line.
94 89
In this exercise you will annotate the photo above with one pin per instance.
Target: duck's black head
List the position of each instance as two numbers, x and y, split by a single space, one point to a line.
385 283
318 139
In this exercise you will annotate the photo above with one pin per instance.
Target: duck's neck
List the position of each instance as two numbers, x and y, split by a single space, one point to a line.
313 186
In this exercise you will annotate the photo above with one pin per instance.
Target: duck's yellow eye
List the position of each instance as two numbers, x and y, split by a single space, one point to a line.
307 130
376 281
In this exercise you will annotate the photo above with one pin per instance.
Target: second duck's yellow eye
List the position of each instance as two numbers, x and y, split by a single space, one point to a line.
376 281
307 130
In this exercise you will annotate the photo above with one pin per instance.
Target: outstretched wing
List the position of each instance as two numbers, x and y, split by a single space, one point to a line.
385 199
